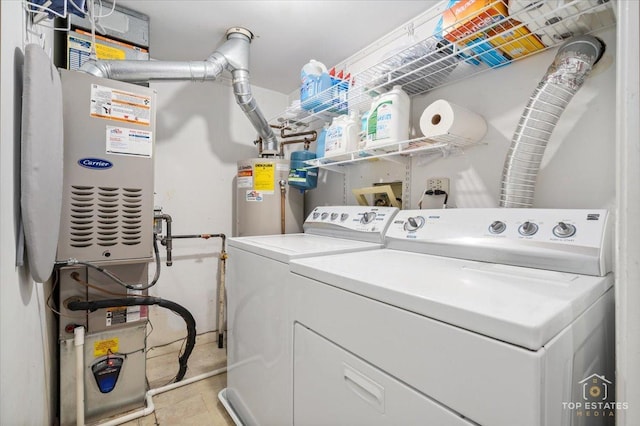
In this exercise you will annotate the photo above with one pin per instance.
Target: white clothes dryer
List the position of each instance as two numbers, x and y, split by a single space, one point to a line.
259 301
497 317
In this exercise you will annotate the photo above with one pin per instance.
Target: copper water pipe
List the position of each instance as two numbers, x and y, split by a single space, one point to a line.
307 141
283 211
312 133
283 143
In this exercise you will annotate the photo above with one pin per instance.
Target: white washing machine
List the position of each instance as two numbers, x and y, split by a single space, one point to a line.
497 317
259 300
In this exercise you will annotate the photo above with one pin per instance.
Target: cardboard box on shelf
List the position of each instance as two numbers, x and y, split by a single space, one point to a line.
483 25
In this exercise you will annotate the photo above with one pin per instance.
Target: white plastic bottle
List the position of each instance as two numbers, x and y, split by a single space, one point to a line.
342 135
314 80
388 120
364 121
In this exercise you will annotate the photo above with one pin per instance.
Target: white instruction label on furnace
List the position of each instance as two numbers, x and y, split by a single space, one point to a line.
120 105
121 140
254 196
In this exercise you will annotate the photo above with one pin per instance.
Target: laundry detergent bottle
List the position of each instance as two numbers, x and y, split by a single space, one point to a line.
342 135
388 120
320 142
314 80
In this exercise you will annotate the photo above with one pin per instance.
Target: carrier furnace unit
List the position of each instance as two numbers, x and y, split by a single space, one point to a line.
107 220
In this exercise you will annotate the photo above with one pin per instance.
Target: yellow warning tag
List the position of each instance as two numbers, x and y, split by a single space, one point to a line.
104 347
108 52
264 177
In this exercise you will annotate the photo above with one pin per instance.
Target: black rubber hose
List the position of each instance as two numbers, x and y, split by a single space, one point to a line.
94 305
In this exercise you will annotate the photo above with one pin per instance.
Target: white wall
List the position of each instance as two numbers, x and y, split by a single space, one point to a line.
26 348
578 168
628 229
201 133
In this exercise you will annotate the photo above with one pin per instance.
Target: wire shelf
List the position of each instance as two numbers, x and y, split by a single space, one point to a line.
461 50
418 146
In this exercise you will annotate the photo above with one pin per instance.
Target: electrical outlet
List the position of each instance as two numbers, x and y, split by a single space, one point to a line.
439 183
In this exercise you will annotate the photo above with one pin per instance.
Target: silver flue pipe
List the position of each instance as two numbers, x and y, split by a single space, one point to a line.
563 79
232 55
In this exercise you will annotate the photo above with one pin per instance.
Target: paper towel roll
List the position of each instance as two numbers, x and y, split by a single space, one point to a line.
444 119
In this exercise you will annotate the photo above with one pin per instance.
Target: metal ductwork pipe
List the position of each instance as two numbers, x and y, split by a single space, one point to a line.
232 55
563 79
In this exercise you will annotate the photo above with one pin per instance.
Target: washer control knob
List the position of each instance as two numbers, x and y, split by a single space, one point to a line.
324 215
497 227
316 215
564 230
344 216
367 217
528 229
334 216
414 223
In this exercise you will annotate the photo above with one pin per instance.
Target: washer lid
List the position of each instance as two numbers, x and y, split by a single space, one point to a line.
285 247
523 306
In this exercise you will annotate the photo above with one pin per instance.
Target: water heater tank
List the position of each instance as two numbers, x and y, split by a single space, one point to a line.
262 208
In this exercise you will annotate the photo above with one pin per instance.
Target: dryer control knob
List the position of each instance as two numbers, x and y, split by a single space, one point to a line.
497 227
367 217
564 230
316 215
334 216
414 223
324 215
344 216
528 229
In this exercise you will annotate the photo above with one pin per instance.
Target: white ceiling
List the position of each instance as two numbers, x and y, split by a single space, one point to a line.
288 33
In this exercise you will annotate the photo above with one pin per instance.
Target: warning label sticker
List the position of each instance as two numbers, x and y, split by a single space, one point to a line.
254 196
123 141
116 316
123 315
245 177
245 182
119 105
105 347
264 179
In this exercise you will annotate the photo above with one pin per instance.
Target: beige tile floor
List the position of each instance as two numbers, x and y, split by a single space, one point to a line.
196 404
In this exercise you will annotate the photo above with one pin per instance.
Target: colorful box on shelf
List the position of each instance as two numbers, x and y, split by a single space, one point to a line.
483 27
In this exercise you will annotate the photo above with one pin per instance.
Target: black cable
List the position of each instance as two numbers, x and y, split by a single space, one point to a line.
441 192
94 305
438 192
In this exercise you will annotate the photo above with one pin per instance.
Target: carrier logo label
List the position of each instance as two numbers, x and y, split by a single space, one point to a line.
95 163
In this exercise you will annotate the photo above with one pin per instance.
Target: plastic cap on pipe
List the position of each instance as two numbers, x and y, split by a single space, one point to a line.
239 30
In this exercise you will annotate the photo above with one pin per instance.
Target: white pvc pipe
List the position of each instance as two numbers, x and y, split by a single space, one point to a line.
150 408
78 333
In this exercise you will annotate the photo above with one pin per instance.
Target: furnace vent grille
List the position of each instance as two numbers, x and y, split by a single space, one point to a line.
81 220
131 216
105 216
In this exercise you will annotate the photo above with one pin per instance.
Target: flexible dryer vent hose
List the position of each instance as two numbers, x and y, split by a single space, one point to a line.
563 79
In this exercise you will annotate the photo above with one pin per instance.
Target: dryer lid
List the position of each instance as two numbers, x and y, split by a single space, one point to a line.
522 306
285 247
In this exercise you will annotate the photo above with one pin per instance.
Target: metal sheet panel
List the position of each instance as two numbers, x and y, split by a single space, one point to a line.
107 205
129 391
